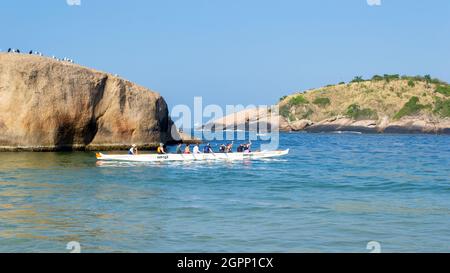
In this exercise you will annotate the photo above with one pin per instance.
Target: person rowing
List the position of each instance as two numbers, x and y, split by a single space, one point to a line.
196 149
222 148
187 150
240 148
247 148
229 148
133 150
178 150
160 150
207 149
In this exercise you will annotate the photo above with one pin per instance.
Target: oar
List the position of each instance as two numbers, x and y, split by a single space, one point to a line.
211 150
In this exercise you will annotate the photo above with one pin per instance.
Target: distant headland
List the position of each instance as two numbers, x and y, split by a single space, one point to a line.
382 104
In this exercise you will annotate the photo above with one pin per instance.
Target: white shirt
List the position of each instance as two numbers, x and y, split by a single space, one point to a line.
196 150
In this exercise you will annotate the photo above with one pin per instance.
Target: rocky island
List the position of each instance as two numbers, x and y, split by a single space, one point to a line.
382 104
50 105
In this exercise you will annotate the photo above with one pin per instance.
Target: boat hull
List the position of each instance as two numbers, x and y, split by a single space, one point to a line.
192 157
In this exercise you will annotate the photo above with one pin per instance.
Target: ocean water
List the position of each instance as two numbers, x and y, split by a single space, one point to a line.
333 193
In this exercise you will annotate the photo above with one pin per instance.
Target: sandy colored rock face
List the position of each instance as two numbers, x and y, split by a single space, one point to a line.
300 124
51 105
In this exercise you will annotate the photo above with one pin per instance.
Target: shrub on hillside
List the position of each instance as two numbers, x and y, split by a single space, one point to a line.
443 89
377 78
322 102
391 77
442 107
285 111
410 108
357 79
298 100
355 112
307 114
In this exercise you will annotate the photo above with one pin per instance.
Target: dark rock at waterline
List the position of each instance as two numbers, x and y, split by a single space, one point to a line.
334 128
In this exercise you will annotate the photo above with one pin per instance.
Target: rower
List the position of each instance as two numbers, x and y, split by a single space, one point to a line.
240 148
229 148
178 150
187 149
196 149
133 150
247 148
207 149
222 148
160 149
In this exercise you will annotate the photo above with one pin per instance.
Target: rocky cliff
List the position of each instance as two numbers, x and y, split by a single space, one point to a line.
48 105
383 104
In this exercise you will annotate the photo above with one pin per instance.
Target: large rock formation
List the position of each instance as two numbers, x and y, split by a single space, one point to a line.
48 105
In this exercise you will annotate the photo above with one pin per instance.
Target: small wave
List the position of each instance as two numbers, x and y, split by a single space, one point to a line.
346 132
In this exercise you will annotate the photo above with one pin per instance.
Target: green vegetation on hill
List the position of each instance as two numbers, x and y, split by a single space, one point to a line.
322 102
442 107
392 77
410 108
298 100
443 89
285 112
355 112
389 95
357 79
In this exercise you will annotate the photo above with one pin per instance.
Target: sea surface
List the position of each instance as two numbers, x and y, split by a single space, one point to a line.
332 193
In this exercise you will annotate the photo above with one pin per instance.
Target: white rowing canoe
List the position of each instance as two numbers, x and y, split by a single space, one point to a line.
191 157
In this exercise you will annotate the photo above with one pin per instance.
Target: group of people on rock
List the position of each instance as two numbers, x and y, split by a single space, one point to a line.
13 50
207 149
31 52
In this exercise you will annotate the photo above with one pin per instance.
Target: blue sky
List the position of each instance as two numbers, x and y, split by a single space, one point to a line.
231 52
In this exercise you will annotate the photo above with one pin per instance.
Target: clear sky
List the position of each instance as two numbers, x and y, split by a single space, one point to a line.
236 51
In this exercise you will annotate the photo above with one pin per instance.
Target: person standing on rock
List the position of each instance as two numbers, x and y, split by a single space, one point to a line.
133 150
